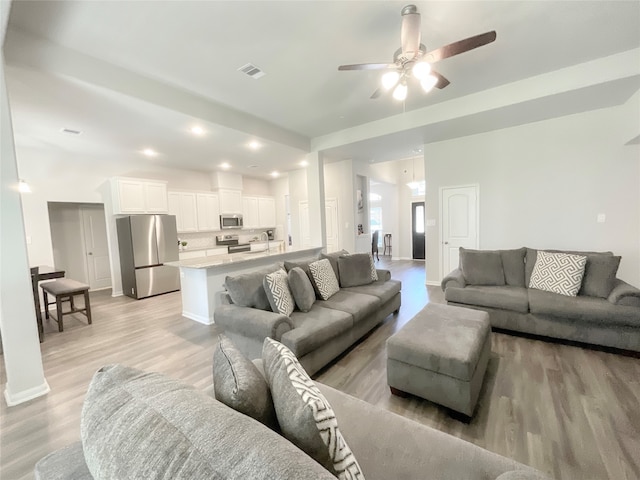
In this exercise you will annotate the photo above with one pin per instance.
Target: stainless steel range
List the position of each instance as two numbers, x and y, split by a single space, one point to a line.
232 243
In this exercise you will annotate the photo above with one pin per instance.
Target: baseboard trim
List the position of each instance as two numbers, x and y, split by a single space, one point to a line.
119 293
17 398
433 283
198 318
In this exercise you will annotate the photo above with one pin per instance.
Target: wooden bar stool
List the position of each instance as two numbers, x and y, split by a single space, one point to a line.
64 290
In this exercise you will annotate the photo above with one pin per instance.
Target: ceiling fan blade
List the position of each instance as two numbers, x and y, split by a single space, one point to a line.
410 33
462 46
377 93
368 66
442 82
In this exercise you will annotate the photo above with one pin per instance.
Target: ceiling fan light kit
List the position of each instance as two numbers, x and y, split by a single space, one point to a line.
412 60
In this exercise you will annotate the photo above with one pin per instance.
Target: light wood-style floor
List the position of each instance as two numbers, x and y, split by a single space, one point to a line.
571 412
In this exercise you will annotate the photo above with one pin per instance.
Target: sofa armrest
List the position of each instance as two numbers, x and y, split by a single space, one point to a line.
383 275
454 279
624 294
252 322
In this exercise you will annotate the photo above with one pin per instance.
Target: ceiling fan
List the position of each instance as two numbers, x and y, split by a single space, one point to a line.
412 60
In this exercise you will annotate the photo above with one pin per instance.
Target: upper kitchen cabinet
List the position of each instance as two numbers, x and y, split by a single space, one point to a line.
137 195
183 206
208 208
230 201
259 212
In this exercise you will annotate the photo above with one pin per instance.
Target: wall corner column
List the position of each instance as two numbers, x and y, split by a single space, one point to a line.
316 196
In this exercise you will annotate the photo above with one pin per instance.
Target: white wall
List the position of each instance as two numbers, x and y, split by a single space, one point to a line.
279 189
297 194
543 184
338 184
255 186
67 238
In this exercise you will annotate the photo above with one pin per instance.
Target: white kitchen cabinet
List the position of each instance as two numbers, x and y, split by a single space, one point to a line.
137 195
250 212
183 206
208 208
230 201
267 212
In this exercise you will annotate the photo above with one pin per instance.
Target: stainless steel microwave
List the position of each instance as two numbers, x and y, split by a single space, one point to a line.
229 221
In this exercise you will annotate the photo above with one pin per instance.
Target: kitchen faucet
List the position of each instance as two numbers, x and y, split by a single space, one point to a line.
267 237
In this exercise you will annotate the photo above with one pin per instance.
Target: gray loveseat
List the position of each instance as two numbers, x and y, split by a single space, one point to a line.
318 335
138 425
605 312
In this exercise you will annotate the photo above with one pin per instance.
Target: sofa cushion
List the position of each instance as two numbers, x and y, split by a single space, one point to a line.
385 291
590 309
65 464
599 275
358 305
145 425
481 267
305 415
333 259
356 269
238 384
301 289
246 290
315 328
276 286
505 298
513 266
558 272
532 255
324 278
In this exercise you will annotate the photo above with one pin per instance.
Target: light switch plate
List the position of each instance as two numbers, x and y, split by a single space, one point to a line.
431 222
601 218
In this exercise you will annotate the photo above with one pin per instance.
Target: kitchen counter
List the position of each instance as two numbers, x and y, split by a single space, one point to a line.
202 279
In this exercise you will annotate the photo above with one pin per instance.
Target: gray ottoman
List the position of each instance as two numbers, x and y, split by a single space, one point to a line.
441 355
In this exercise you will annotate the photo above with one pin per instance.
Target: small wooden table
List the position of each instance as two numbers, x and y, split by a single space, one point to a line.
38 274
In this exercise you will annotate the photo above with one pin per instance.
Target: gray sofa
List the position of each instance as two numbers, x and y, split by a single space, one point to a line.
139 425
319 335
605 312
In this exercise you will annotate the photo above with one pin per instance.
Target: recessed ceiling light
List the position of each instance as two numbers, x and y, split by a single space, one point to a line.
149 152
197 130
254 145
225 165
275 174
304 163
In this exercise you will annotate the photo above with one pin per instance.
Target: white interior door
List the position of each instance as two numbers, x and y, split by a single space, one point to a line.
96 248
331 217
305 229
460 224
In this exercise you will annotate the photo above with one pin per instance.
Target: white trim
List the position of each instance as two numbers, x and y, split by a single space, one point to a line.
119 293
198 318
432 283
17 398
441 249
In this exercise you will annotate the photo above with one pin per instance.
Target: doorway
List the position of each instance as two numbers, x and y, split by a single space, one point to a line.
459 220
79 240
417 230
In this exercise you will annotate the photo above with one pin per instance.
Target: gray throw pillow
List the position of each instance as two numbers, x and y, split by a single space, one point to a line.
246 290
481 267
355 269
239 384
333 259
276 286
145 425
301 288
305 416
599 275
513 266
324 278
304 265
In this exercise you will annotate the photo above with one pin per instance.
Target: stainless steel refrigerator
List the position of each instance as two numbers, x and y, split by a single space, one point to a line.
146 242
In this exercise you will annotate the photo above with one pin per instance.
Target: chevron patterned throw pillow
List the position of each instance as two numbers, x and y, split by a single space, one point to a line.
305 415
276 286
324 278
558 273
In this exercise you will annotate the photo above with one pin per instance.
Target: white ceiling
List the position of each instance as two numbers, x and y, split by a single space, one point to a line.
196 48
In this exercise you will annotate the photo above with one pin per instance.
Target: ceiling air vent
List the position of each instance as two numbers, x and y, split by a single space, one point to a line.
251 70
71 131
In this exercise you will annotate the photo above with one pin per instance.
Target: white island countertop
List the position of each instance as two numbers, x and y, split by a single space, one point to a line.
238 258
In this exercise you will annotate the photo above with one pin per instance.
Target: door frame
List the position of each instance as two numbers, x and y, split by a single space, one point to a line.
440 216
424 203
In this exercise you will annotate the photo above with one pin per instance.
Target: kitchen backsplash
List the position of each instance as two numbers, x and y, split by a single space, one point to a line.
203 240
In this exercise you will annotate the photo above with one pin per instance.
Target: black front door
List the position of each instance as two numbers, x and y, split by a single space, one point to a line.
417 230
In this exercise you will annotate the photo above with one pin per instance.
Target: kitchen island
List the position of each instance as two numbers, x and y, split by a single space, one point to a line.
202 279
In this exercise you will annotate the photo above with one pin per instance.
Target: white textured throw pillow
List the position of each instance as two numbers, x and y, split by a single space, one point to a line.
324 277
276 286
558 273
